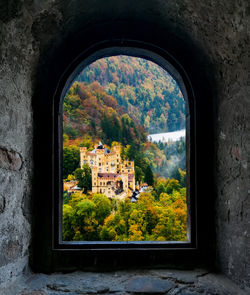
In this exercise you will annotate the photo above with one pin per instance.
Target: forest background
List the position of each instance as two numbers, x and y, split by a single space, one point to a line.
121 100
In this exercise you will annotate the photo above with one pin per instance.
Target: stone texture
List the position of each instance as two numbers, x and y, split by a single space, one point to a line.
9 9
10 160
123 283
15 139
189 293
217 283
13 249
180 276
219 28
33 293
2 204
10 251
151 285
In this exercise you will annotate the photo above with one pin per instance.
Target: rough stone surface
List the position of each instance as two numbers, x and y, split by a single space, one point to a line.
219 28
148 285
33 293
13 249
180 276
16 60
10 160
2 204
124 283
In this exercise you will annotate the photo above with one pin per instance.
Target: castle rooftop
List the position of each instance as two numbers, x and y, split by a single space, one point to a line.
100 147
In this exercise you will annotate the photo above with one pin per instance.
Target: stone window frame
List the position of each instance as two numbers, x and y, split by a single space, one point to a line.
165 64
48 254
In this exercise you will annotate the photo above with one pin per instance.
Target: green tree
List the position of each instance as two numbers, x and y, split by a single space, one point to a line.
84 177
103 207
84 221
139 175
68 229
71 159
149 177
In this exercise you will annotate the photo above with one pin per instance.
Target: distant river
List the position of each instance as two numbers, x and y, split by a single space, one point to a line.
168 136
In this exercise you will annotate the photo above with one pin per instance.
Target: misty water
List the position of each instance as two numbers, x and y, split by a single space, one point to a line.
167 136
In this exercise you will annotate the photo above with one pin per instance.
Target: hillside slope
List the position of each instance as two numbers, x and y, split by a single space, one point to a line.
145 90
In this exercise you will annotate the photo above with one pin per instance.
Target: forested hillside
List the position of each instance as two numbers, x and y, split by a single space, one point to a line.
144 89
122 99
90 112
91 115
155 217
118 101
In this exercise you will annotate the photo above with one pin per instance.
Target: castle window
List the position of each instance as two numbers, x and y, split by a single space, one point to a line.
195 162
137 128
91 162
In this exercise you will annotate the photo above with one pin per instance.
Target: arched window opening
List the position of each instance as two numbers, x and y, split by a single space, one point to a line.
125 109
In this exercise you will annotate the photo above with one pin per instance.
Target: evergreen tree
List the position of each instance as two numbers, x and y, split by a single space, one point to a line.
84 177
149 177
71 159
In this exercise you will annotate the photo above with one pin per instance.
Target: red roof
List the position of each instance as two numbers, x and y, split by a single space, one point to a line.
108 175
115 175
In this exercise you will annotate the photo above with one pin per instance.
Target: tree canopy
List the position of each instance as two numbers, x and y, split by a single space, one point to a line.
94 217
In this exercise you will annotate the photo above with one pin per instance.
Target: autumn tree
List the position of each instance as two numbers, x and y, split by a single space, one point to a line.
84 177
149 177
95 217
71 160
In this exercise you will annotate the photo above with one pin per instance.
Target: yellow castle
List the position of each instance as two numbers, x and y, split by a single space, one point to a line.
110 175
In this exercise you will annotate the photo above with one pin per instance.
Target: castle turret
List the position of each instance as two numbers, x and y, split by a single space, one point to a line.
125 181
83 156
94 179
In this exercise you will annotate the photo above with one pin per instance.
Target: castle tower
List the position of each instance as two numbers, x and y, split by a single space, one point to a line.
83 156
94 180
125 181
117 150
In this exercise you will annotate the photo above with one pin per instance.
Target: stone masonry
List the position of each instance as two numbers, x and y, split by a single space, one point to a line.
30 29
167 282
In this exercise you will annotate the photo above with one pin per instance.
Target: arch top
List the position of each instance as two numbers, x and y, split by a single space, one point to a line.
162 59
58 67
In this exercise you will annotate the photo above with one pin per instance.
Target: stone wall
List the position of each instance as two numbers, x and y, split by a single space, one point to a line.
16 56
220 29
